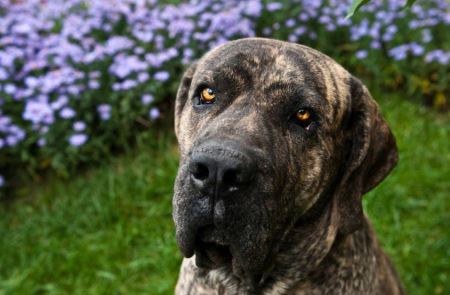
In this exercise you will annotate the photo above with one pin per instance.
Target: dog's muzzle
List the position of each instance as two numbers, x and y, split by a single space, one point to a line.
219 174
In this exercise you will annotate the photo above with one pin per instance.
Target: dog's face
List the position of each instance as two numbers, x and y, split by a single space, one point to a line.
269 132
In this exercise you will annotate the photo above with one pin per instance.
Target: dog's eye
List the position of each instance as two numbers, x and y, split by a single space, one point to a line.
303 117
207 95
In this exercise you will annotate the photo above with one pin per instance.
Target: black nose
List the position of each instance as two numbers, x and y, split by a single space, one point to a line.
216 169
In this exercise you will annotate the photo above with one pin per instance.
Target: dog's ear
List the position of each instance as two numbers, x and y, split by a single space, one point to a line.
371 153
182 94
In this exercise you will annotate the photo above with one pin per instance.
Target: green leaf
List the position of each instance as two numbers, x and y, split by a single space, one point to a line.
410 3
356 5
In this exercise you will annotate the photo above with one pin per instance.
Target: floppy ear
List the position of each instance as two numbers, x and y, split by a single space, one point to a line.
182 94
371 154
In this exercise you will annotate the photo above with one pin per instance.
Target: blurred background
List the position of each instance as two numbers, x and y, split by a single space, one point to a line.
88 155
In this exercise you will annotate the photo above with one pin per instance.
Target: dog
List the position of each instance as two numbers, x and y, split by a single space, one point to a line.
278 143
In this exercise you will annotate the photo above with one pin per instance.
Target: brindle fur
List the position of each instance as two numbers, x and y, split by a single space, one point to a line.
300 228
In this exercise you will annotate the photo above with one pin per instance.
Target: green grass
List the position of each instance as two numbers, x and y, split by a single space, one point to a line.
411 208
109 230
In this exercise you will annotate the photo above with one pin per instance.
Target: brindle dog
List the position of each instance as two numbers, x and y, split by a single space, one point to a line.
277 145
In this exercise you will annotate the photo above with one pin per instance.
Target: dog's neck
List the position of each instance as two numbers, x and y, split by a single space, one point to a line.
309 242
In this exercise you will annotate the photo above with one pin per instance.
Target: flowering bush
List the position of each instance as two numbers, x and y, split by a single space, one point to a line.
80 78
392 47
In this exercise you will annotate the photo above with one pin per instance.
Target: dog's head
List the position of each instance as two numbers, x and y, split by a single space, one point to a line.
270 132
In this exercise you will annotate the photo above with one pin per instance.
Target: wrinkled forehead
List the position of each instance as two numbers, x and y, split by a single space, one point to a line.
255 63
276 65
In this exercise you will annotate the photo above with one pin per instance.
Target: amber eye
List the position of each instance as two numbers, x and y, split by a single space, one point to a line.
207 95
303 117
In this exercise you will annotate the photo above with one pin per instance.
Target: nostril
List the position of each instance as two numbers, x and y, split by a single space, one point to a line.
200 171
231 177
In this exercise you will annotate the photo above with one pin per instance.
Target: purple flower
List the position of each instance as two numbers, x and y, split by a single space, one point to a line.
4 123
74 89
324 19
399 52
128 84
67 113
361 54
118 43
161 76
252 8
17 132
79 126
43 129
2 181
116 86
273 6
139 50
387 37
77 140
12 140
104 111
94 75
303 17
60 102
41 142
187 58
267 31
330 27
159 42
290 23
94 84
375 45
6 59
147 99
392 29
3 74
439 56
342 22
31 82
154 113
300 30
359 31
124 65
38 112
142 77
416 49
426 36
10 88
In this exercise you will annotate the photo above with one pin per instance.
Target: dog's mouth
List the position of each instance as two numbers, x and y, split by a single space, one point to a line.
212 255
211 249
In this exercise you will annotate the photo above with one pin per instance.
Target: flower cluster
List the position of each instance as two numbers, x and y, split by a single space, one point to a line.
76 74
